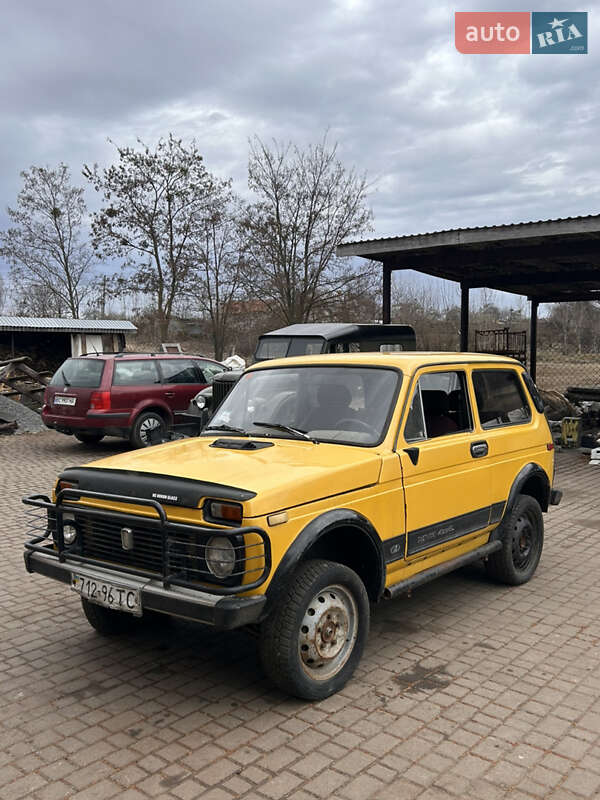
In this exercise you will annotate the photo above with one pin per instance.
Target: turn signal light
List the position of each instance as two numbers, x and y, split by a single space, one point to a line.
100 401
223 512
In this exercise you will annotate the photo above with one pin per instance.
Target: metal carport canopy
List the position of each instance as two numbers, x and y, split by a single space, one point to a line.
550 261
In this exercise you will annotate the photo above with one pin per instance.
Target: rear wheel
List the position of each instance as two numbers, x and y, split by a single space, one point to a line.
106 621
148 429
312 642
89 438
522 543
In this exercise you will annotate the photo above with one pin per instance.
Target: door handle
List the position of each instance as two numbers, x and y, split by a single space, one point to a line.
479 449
169 394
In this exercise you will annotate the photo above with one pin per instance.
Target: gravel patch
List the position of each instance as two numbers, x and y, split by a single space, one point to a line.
28 421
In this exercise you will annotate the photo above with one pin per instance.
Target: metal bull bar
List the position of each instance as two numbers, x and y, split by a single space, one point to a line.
183 546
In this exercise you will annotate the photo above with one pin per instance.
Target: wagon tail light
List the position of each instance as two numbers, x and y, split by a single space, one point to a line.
100 401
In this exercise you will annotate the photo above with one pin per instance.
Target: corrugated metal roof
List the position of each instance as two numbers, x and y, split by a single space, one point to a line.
504 227
59 325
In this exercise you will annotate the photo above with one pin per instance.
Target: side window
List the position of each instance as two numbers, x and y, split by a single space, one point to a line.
209 370
439 406
500 398
179 370
135 373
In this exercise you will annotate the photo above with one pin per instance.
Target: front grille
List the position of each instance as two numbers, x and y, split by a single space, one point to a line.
220 390
101 539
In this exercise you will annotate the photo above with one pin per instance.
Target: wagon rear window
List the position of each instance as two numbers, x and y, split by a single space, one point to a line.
500 398
79 372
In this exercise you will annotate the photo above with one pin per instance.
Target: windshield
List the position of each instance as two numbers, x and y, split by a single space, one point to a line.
350 405
79 372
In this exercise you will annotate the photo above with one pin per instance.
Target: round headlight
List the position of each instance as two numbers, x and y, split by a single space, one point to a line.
220 556
200 402
69 532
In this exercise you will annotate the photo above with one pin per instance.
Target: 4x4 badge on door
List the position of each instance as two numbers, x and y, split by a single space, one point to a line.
126 538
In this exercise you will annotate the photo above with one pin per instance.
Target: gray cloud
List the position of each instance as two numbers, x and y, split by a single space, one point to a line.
448 140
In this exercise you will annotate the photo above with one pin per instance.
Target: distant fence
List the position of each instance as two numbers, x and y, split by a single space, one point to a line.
557 371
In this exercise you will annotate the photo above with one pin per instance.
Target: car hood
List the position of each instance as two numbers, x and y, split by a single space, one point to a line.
288 473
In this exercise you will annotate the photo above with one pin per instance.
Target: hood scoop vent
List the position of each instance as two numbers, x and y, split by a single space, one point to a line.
240 444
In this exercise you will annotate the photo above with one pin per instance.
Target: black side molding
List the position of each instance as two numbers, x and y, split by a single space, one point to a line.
407 585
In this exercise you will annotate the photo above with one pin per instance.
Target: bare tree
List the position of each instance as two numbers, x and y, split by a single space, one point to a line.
45 246
218 269
2 294
155 202
307 203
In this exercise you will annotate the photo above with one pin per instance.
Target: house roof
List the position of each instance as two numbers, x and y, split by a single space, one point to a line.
60 325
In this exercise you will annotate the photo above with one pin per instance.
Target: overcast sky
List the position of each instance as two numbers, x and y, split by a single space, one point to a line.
448 140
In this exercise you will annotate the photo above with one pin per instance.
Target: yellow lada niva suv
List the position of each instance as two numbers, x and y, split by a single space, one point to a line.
322 484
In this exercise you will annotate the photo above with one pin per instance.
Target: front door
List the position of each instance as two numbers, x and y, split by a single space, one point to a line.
445 466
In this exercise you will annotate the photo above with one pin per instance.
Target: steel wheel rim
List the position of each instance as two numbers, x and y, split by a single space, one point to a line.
524 543
150 424
328 632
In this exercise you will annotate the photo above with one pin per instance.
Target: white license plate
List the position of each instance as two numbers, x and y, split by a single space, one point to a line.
109 595
62 400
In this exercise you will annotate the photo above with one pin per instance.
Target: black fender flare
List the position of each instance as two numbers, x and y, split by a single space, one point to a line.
315 530
531 470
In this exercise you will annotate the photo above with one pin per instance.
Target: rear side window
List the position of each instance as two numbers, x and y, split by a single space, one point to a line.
79 372
500 398
179 370
135 373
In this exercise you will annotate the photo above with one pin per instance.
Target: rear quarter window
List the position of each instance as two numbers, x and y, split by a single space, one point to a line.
135 373
500 398
79 373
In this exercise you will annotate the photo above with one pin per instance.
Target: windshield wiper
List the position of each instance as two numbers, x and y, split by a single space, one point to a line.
278 426
229 428
64 377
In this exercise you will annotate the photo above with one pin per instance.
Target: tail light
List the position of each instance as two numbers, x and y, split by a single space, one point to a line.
100 401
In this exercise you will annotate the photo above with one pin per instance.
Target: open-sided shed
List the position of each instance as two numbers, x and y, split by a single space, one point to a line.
54 339
550 261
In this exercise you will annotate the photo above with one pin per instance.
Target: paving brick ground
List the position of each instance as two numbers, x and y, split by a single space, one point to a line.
466 690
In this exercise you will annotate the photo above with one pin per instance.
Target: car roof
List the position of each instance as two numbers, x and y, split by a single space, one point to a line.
128 356
407 361
336 330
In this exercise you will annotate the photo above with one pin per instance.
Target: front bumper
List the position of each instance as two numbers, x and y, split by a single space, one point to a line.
224 613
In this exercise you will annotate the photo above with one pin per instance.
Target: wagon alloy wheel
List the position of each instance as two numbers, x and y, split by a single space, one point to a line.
313 639
149 424
522 537
328 632
146 424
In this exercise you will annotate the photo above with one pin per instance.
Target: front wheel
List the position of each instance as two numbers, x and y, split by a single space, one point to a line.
106 621
313 641
522 543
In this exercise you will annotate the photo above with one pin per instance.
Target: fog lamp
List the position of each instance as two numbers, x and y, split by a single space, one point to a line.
69 529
